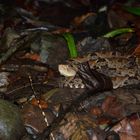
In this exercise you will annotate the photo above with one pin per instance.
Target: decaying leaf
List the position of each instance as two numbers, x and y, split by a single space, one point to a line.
128 128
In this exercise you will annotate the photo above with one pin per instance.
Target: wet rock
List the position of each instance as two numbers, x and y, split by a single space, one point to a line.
51 49
11 126
90 45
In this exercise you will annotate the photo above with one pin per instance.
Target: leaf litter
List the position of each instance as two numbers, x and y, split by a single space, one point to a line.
39 36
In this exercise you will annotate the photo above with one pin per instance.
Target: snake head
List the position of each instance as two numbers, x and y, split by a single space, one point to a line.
66 70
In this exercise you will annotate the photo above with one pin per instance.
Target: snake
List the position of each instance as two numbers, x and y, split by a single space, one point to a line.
124 70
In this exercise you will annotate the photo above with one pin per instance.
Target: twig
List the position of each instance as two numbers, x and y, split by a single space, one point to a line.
39 104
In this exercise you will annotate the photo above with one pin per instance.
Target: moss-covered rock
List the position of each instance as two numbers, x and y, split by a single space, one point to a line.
11 125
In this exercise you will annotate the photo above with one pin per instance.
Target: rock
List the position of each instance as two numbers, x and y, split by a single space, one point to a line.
52 49
11 125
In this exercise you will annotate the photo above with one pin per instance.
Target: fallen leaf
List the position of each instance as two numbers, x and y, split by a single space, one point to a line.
78 20
33 56
42 103
113 107
137 51
96 111
128 128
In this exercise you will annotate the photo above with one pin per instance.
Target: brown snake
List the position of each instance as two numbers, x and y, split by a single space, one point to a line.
123 70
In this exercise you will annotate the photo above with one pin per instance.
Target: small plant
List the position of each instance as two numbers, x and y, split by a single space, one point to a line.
117 32
71 44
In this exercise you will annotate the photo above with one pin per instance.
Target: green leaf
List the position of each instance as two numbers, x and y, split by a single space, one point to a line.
132 10
50 93
71 44
117 32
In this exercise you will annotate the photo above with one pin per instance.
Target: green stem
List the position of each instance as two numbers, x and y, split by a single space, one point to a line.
117 32
71 44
